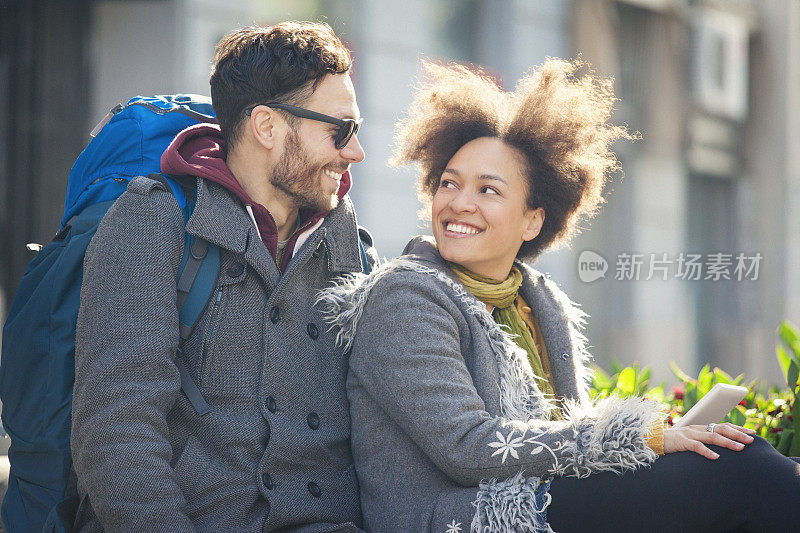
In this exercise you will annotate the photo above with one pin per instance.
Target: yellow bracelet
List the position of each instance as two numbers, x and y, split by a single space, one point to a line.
656 439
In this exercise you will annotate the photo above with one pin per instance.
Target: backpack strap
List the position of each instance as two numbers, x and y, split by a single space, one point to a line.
196 279
196 282
364 236
364 263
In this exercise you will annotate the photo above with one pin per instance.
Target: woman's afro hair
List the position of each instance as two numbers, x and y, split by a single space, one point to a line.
557 118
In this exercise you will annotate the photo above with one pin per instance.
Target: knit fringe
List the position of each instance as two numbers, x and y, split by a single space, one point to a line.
510 506
610 436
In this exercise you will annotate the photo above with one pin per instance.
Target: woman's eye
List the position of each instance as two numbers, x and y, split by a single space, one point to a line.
489 190
446 184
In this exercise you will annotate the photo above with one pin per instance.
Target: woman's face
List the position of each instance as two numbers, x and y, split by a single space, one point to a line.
479 214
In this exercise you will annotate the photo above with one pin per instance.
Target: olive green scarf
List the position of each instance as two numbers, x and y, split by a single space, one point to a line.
502 296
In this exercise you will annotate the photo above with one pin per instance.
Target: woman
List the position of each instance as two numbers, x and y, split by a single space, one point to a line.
468 370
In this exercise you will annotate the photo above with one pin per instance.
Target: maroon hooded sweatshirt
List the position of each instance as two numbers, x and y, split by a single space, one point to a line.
200 151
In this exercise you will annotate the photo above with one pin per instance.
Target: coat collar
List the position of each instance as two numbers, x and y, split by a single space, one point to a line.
554 312
220 219
342 238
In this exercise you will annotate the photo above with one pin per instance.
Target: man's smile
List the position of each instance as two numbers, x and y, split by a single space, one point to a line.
333 175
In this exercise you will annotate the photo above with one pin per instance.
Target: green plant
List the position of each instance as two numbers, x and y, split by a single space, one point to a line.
789 362
625 381
774 413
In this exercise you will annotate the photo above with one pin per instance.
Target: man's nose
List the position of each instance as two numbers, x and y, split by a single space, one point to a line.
353 151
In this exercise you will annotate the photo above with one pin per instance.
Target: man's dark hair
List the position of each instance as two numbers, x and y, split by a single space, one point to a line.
281 63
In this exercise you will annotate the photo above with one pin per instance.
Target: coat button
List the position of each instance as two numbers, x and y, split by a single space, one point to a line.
267 480
235 270
313 420
274 314
271 405
565 356
313 332
314 489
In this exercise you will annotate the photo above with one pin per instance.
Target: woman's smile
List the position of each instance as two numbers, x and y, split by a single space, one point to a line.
458 230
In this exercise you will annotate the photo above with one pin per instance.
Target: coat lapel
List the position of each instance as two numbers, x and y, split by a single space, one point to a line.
554 324
341 238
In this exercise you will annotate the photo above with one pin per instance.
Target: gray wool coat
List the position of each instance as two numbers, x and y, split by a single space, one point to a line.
449 431
274 450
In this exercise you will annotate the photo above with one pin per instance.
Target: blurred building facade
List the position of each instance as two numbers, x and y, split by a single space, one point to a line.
713 87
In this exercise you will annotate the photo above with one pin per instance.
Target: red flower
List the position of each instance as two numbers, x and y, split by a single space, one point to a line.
678 392
743 402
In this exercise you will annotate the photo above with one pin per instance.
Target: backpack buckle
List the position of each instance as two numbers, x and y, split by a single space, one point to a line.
62 233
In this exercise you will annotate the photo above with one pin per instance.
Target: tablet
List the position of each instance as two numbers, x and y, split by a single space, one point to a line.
713 407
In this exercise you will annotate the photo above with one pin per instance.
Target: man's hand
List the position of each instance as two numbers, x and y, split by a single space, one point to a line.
695 438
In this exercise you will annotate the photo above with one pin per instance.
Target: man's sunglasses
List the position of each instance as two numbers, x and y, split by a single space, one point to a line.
347 126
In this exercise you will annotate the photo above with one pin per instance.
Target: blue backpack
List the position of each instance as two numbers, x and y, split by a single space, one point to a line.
37 369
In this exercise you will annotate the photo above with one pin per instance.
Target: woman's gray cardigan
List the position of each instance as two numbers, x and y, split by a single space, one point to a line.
449 430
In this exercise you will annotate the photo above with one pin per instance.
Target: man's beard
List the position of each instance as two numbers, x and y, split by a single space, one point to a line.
299 179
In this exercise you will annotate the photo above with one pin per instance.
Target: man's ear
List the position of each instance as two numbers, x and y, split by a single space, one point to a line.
534 218
265 126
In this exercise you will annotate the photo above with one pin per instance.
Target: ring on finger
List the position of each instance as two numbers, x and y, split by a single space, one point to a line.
710 428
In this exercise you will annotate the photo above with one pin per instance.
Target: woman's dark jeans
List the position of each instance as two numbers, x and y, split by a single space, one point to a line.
756 489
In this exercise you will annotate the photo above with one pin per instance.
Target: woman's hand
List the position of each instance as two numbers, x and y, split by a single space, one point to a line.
695 438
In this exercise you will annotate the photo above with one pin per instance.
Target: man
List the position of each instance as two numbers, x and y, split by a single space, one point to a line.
273 452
